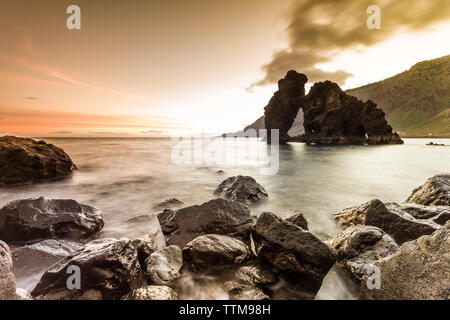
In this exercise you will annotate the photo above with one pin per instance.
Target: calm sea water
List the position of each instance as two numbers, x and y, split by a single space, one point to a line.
127 177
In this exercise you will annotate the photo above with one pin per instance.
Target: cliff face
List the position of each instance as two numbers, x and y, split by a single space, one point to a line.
330 115
284 105
333 117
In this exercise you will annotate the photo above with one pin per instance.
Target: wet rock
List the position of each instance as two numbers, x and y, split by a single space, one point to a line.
168 204
217 216
143 218
333 117
438 214
7 279
108 267
434 192
359 247
256 273
298 219
419 270
215 252
283 107
296 254
31 261
164 265
25 160
239 291
152 293
390 218
145 246
242 189
40 218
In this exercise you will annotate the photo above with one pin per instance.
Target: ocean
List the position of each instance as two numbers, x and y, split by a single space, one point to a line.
126 177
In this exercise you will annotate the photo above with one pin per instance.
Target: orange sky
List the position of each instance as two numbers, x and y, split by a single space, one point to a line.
153 68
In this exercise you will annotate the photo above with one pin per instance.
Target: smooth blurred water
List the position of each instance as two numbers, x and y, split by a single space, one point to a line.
126 177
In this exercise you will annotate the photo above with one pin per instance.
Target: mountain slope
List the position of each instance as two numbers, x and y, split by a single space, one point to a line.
417 101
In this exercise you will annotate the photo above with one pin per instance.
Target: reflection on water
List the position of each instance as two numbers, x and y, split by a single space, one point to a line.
126 177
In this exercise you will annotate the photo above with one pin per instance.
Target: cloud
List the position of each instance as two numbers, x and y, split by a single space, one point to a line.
318 29
62 132
31 98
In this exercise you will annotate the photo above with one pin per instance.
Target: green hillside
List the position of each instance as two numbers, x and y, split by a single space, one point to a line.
417 101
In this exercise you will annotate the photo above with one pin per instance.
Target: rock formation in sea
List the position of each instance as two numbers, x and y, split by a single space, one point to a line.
243 189
25 160
330 115
284 105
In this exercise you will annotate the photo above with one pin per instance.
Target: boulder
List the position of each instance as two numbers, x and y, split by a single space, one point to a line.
25 160
31 261
295 254
151 293
164 265
390 218
283 107
239 291
359 247
434 192
217 216
22 294
298 219
242 189
215 252
7 279
419 270
438 214
145 246
109 269
40 218
333 117
168 204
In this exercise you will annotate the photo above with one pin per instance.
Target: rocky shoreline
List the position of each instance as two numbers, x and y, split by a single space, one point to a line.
250 257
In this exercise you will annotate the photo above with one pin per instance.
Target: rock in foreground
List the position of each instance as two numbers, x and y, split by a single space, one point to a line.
297 255
359 247
164 265
215 252
109 269
420 270
26 160
298 219
434 192
217 216
152 293
7 279
243 189
390 218
24 220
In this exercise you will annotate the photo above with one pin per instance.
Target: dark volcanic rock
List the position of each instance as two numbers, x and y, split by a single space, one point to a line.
298 219
31 261
24 220
239 291
434 192
218 216
283 107
333 117
26 160
390 218
164 265
152 293
438 214
419 270
7 279
358 248
256 273
215 252
145 246
109 269
297 255
168 204
242 189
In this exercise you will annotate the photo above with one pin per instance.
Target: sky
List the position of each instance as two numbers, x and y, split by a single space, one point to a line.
159 68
